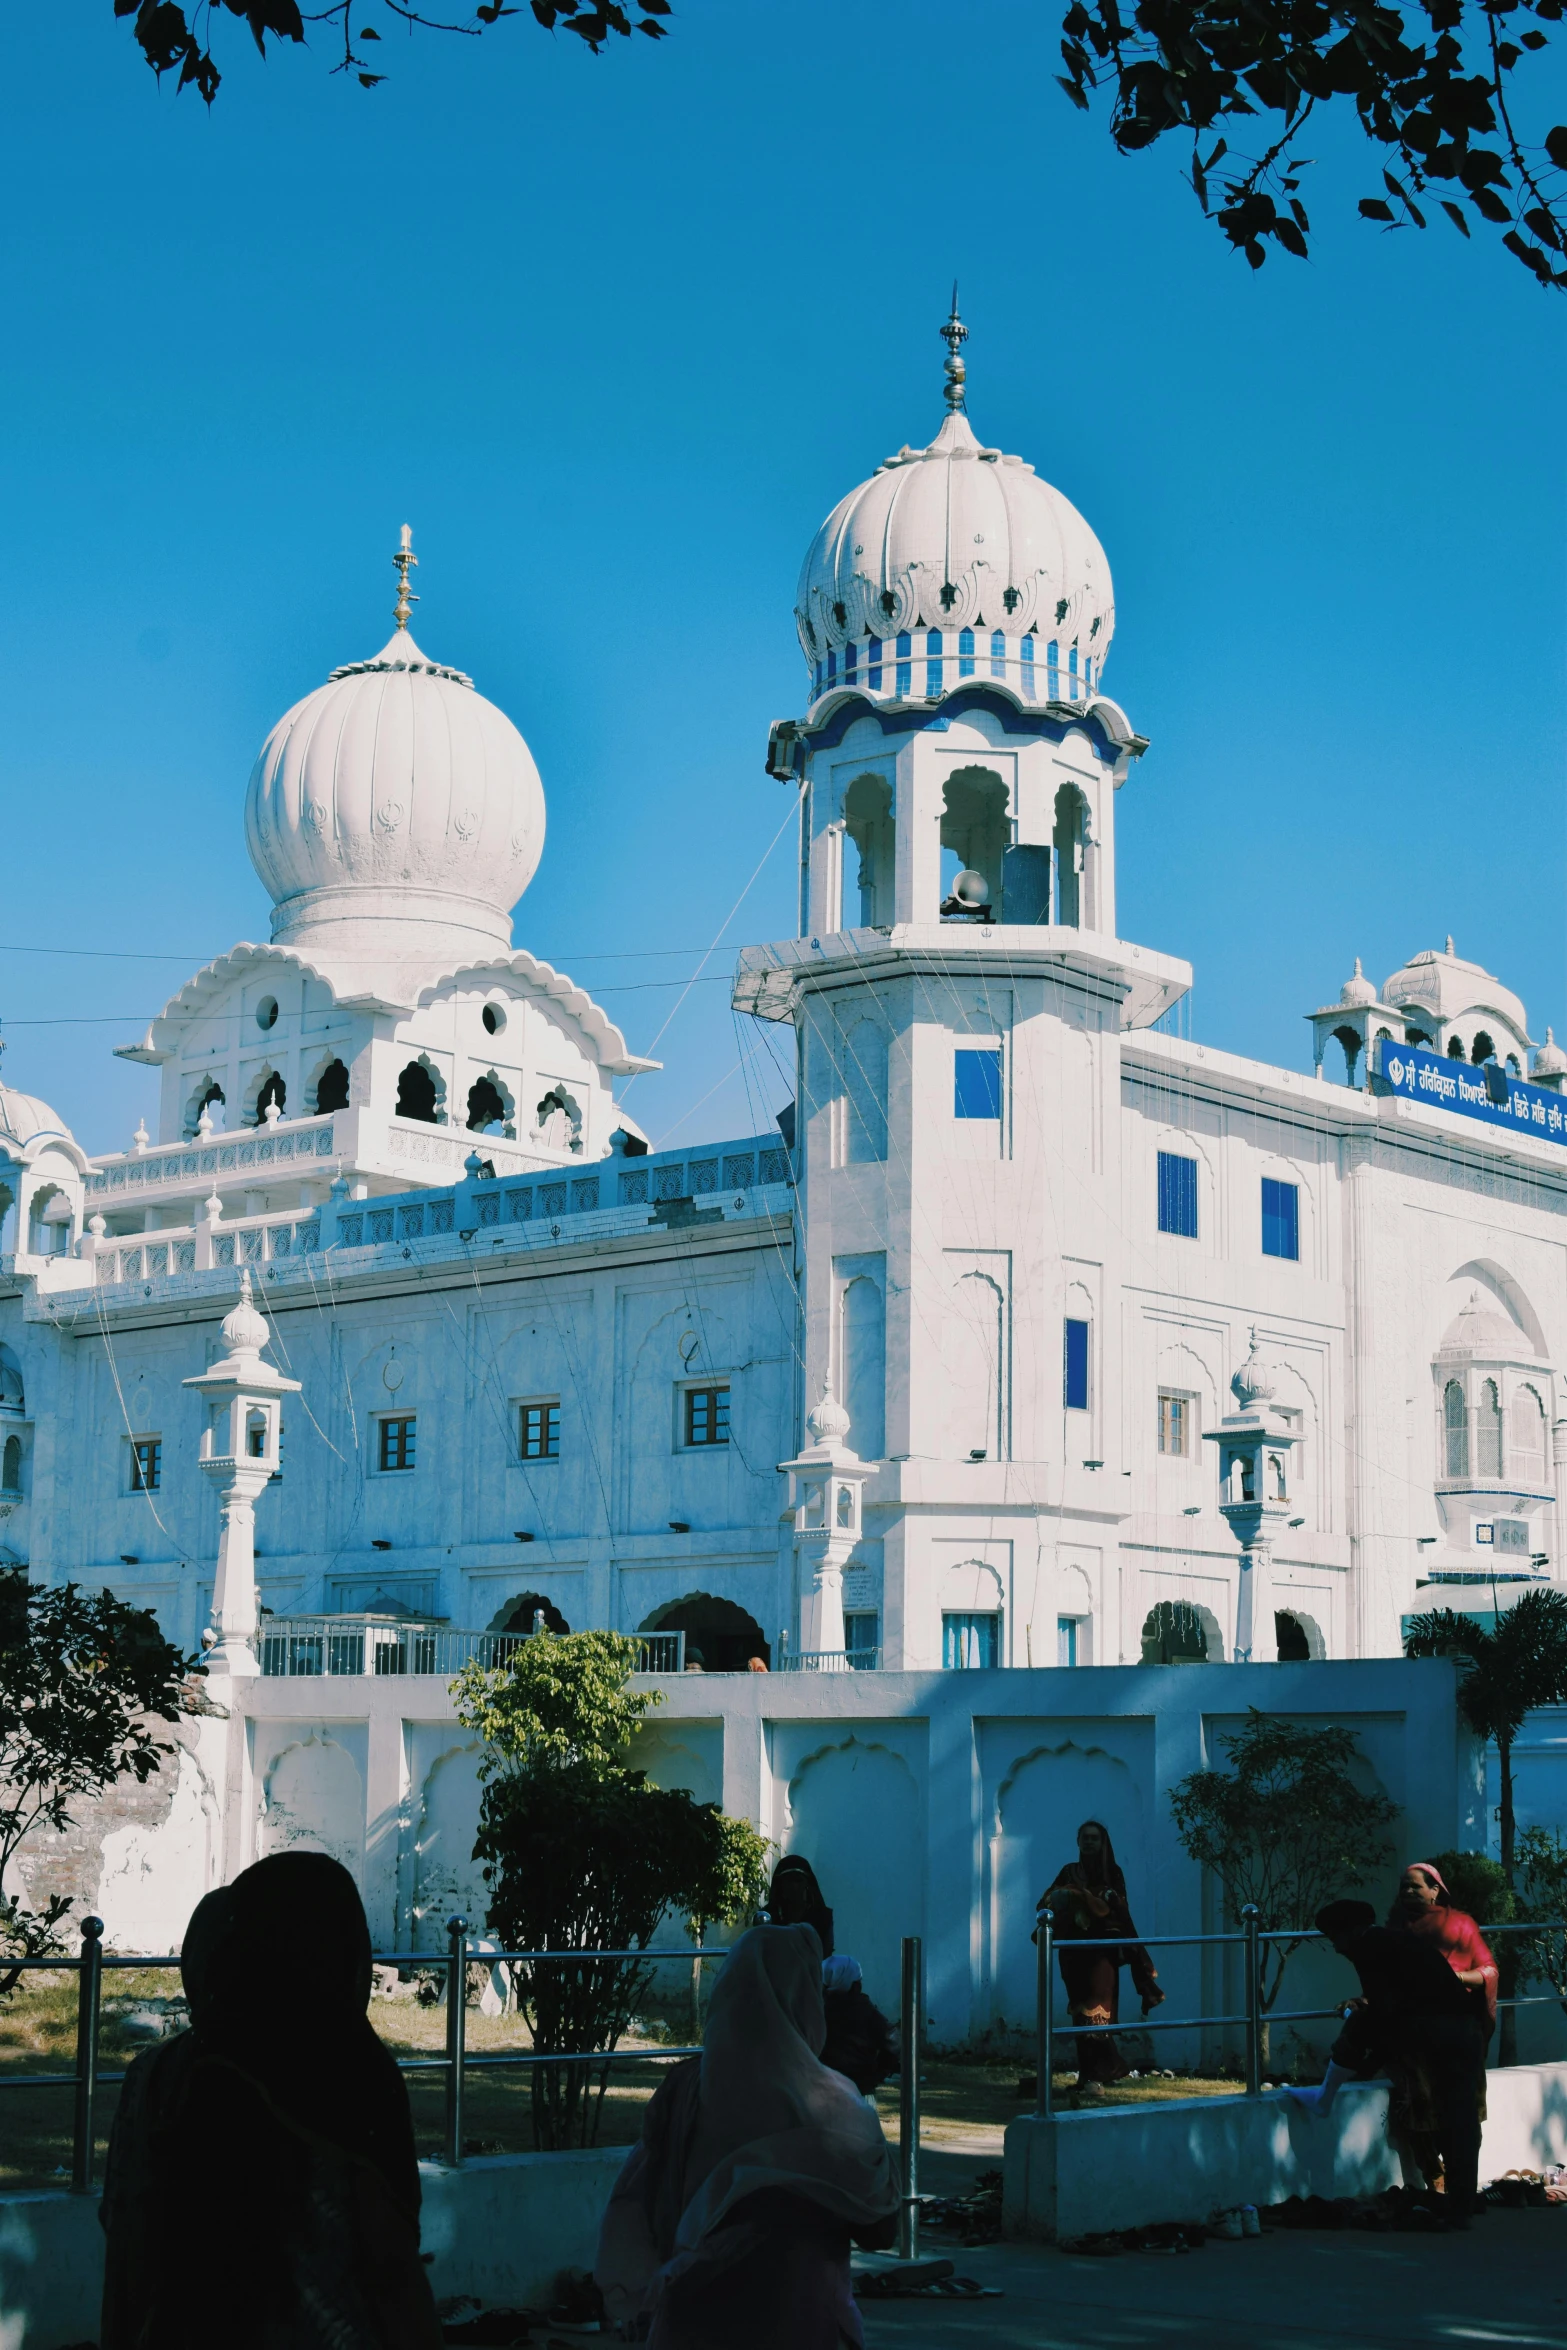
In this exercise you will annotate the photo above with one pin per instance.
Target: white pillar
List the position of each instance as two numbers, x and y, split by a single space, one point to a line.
239 1452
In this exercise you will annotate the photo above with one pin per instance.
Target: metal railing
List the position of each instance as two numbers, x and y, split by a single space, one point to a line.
1256 2019
828 1660
308 1647
454 2063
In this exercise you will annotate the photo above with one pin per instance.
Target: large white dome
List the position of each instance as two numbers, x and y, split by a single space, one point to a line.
394 810
965 542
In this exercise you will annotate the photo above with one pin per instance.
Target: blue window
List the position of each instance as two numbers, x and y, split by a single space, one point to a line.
1074 1383
965 652
862 1639
976 1081
970 1643
905 666
933 661
1071 668
832 667
1280 1219
851 655
1026 649
998 653
1053 670
1178 1194
1066 1640
873 664
818 677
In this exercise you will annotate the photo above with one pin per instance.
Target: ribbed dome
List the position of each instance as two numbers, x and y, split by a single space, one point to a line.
958 537
1550 1060
395 809
23 1118
1357 990
1483 1329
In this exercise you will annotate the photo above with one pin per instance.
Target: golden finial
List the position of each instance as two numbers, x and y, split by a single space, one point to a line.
954 334
403 558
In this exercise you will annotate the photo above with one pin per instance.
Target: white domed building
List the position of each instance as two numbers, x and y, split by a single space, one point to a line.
1029 1247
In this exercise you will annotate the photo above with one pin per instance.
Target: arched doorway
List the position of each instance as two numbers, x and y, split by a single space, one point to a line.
719 1635
1179 1632
521 1615
1299 1639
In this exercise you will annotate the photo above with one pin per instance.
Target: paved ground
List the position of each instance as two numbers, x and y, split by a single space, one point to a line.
1503 2286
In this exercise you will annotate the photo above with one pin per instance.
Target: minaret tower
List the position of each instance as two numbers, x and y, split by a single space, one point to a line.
958 989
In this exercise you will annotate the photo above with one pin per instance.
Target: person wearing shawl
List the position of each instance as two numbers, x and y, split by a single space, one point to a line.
1424 1907
1089 1904
278 2120
795 1899
861 2043
732 2219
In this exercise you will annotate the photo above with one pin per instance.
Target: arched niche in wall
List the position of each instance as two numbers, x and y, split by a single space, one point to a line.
520 1614
314 1801
974 828
862 1357
1181 1632
446 1879
853 1810
328 1087
1045 1795
152 1874
871 827
863 1059
421 1092
973 1364
1299 1635
720 1634
205 1095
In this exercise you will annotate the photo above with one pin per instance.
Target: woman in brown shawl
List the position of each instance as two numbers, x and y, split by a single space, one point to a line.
732 2219
1088 1903
281 2116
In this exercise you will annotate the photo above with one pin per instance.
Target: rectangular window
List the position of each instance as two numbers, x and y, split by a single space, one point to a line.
1280 1219
1175 1424
1066 1640
970 1643
146 1464
1178 1195
707 1415
861 1637
976 1081
397 1444
540 1431
1075 1366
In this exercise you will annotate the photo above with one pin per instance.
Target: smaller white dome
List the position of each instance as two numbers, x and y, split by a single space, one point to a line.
244 1326
827 1422
1359 989
24 1119
1255 1381
1483 1329
1550 1060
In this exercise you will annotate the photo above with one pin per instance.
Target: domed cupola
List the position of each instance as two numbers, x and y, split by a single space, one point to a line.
394 811
955 562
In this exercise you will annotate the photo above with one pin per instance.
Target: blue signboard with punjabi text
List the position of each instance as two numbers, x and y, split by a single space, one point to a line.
1491 1094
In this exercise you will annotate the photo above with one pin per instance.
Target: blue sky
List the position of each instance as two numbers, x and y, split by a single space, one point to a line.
614 334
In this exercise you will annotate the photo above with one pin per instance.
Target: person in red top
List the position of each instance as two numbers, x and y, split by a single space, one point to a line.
1088 1902
1424 1907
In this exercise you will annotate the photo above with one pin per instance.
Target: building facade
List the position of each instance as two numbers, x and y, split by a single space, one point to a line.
1039 1248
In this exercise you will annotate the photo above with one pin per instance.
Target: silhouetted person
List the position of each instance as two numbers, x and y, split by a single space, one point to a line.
861 2043
279 2121
795 1899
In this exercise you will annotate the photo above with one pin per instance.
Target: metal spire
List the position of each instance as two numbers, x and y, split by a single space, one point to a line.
403 558
954 334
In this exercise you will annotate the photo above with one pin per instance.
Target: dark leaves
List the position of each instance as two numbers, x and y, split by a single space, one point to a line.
1373 208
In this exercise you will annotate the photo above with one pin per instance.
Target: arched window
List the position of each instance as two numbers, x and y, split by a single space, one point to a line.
871 826
1071 670
1528 1438
11 1466
998 653
488 1111
832 665
1488 1431
1455 1429
332 1088
1070 826
933 661
1482 1049
416 1094
1277 1489
965 652
208 1096
1299 1639
865 1088
274 1090
1053 670
862 1338
905 664
1455 1048
1026 656
851 664
873 664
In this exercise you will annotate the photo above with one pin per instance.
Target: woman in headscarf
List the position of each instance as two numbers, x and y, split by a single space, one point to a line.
758 2166
861 2043
1088 1901
795 1899
280 2112
1423 1908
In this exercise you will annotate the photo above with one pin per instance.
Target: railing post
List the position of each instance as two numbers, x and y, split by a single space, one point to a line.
909 2021
1249 1923
89 1986
456 2032
1045 2096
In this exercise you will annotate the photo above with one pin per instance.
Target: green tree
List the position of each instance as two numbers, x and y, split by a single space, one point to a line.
1507 1671
581 1852
1283 1829
80 1675
1541 1859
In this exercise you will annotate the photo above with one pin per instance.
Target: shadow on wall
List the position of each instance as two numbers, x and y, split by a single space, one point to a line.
854 1814
315 1802
445 1880
1034 1835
